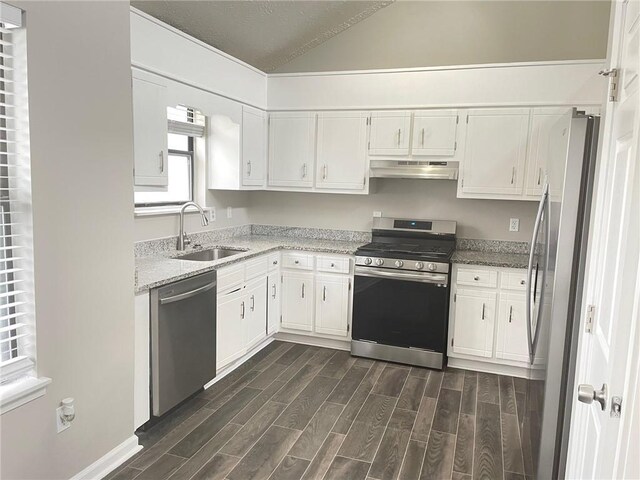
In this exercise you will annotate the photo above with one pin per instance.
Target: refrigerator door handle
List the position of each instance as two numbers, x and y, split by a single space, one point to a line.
531 336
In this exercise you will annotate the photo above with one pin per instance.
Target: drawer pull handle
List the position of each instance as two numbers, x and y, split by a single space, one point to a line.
483 306
303 290
522 282
476 278
253 302
324 294
242 310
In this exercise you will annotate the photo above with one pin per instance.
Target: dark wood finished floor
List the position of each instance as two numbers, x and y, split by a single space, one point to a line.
301 412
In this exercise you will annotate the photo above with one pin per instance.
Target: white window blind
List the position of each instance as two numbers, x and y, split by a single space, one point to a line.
184 120
17 334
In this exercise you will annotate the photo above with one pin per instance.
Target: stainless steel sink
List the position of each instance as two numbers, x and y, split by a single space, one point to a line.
210 254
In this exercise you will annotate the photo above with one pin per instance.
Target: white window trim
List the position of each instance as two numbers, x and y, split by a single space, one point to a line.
164 210
20 391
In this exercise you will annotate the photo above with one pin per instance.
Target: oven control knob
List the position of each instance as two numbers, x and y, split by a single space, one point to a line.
419 265
399 263
367 261
432 267
379 261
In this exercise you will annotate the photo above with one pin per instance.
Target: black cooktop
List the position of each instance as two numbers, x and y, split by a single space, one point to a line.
419 250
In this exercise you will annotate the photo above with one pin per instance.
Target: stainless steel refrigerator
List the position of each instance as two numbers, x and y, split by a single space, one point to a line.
554 292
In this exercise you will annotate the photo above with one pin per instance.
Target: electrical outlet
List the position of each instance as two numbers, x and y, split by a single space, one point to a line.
212 214
377 214
61 425
229 212
514 224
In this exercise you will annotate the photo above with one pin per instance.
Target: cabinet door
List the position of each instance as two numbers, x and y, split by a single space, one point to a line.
434 133
256 311
342 150
297 300
332 305
273 303
547 148
512 328
473 323
390 133
230 320
150 133
495 151
254 146
291 149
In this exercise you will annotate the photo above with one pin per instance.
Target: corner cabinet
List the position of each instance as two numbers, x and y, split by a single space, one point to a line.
151 168
487 321
291 149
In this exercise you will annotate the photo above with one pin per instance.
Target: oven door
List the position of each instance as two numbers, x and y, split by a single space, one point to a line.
402 309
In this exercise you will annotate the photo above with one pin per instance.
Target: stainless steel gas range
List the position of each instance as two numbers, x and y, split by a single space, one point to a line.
401 292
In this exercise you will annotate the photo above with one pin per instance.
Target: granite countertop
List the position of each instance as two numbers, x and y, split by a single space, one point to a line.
492 259
154 271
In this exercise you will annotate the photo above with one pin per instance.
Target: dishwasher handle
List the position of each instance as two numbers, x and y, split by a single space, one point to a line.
185 295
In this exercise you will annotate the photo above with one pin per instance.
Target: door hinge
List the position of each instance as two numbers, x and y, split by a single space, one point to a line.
349 284
348 327
614 78
455 297
452 342
591 313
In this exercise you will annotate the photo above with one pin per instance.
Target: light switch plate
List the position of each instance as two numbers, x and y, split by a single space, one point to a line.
377 214
514 224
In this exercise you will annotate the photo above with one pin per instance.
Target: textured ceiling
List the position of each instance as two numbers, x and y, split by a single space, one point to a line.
265 34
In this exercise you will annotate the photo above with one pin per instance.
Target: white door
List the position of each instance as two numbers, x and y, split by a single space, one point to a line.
434 133
512 328
342 150
256 312
390 133
542 122
254 146
332 305
602 446
473 323
495 151
273 303
297 300
291 149
150 133
230 321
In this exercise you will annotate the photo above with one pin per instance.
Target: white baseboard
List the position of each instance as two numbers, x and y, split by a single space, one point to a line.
314 341
487 367
109 462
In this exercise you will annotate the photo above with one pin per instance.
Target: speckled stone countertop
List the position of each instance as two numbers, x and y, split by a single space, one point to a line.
156 270
492 253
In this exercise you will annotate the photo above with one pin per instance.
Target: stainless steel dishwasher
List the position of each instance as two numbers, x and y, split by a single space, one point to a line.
183 340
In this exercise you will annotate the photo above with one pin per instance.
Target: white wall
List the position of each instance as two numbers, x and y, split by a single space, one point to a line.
82 159
430 33
432 199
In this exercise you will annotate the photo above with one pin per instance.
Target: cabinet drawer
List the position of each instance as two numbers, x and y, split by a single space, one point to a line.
274 261
333 264
230 277
478 278
514 280
299 261
256 267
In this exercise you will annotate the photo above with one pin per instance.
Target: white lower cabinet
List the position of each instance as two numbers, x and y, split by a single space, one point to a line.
475 314
273 302
297 300
230 344
332 304
255 314
512 328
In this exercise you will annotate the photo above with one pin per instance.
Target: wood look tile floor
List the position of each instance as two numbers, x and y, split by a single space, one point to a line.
302 412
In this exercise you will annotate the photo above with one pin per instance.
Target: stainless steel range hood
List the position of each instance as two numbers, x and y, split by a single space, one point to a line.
431 170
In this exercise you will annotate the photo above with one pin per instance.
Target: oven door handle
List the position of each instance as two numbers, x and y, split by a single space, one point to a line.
395 275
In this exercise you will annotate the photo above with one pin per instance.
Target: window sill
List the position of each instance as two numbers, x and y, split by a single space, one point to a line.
21 391
164 210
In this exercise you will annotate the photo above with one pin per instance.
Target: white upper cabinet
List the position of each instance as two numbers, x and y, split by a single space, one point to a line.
495 153
150 133
223 143
390 132
434 133
291 149
342 151
254 147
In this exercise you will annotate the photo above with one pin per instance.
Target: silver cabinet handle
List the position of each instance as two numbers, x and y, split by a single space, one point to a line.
422 138
161 155
184 296
304 170
513 174
539 175
483 307
242 310
324 294
510 313
249 168
273 287
303 290
253 303
324 172
399 131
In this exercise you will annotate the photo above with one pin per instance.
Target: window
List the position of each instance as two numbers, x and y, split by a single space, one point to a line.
184 124
17 320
